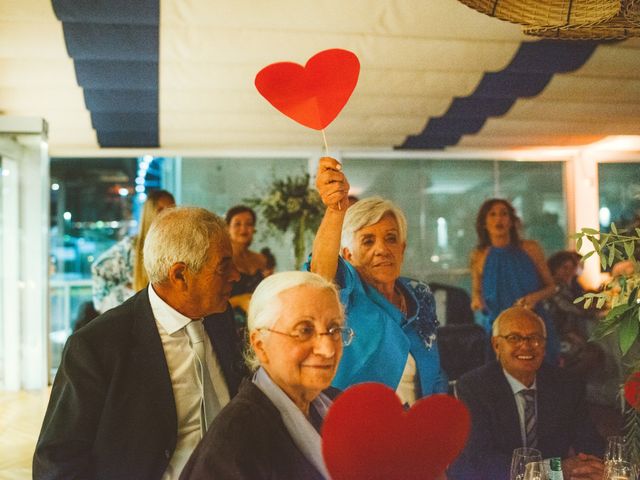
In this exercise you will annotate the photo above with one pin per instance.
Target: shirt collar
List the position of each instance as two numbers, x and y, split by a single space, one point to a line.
170 319
516 385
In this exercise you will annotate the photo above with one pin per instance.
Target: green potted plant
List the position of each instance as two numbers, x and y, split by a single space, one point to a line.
289 204
620 296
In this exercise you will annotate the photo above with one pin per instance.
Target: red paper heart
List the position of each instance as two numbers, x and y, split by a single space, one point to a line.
315 94
368 435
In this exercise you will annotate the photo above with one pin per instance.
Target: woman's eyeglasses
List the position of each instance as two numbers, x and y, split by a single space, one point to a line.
308 332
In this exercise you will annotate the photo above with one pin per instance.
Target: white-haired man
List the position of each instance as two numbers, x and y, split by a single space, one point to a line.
519 401
128 399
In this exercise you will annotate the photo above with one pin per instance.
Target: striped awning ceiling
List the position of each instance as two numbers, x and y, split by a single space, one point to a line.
178 74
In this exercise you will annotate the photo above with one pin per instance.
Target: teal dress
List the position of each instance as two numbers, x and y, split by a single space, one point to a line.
510 274
384 337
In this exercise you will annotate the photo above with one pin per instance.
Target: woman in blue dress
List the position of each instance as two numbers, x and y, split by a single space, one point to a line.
507 270
361 248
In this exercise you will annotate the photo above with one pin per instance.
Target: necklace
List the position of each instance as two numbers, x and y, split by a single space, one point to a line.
402 302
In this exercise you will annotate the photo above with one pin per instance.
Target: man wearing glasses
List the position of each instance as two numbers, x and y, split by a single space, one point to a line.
519 401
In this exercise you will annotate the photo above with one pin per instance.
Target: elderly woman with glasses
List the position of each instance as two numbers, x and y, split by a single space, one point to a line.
361 248
270 430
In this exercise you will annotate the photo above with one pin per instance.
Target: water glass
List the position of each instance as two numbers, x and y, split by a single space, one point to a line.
619 470
537 471
519 460
616 450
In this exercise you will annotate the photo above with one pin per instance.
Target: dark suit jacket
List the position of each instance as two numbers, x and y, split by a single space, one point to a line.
563 421
249 441
112 414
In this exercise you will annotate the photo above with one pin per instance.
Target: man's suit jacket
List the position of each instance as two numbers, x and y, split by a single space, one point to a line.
112 413
562 421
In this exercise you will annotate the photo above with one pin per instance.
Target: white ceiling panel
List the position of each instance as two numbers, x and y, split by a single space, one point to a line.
434 74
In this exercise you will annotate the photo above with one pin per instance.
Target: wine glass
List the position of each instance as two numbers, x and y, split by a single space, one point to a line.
619 470
616 450
519 460
537 471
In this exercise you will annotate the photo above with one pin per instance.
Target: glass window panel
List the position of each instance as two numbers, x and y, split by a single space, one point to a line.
619 185
220 183
95 202
536 190
441 198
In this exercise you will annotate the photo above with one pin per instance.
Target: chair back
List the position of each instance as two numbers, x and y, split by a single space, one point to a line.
462 348
453 304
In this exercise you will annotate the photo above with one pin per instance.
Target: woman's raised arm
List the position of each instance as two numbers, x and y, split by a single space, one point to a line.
334 190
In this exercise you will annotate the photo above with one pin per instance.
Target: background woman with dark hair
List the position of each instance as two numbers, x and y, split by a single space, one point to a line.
251 265
507 270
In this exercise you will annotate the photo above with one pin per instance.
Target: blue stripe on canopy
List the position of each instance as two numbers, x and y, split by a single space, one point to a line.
115 48
530 71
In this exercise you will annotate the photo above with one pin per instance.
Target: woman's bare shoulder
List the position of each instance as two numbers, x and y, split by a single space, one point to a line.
258 260
478 253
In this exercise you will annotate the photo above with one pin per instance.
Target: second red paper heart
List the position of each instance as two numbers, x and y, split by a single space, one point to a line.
368 434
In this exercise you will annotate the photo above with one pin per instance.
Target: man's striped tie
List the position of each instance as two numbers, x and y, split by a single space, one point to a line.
530 424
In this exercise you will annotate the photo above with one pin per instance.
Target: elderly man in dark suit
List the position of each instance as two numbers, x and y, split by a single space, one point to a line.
519 401
138 386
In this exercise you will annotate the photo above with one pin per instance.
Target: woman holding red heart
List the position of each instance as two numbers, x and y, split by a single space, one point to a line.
361 248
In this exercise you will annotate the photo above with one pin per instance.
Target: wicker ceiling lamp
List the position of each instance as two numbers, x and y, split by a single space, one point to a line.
567 19
632 12
617 28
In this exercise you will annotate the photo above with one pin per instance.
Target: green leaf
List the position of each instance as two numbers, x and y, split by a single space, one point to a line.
628 249
594 242
587 302
588 255
618 311
638 232
605 327
612 254
613 228
628 332
603 262
579 244
603 239
600 302
590 231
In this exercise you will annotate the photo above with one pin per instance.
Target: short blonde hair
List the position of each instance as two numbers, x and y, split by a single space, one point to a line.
149 213
367 212
181 234
266 306
516 312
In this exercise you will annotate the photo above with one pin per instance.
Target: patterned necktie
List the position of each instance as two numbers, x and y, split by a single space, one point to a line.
530 423
209 404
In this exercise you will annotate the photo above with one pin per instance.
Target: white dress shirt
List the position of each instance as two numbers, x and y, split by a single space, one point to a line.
516 388
184 380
